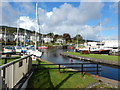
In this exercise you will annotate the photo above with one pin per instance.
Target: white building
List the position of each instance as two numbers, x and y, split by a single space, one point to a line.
47 39
60 41
0 35
6 36
111 43
33 38
21 38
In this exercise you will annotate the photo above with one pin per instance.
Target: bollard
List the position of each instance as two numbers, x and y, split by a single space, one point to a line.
71 60
97 76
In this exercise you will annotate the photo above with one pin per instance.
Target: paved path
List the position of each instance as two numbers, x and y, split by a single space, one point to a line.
108 82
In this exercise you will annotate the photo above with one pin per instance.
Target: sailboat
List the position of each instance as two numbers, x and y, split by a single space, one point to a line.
34 50
17 48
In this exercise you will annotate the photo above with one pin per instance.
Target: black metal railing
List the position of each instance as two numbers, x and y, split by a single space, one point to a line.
73 67
8 56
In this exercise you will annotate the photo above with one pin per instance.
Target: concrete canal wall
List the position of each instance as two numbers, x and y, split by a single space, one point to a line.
101 61
108 82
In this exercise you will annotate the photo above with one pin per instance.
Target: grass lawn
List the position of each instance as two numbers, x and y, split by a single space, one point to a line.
97 56
55 79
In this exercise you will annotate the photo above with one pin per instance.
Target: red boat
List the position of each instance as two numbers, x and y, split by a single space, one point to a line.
71 47
43 47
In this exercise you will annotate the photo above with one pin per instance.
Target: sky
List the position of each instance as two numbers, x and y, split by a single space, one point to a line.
93 20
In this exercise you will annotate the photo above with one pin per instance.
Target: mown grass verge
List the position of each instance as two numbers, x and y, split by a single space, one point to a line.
97 56
56 80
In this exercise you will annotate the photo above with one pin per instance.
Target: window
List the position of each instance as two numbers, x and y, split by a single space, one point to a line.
26 60
20 63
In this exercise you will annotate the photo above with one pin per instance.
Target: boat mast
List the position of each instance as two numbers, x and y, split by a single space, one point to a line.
77 39
17 29
25 35
42 39
100 32
39 28
5 36
86 37
17 35
36 28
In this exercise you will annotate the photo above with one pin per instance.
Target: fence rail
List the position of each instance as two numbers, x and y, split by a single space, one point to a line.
82 66
11 73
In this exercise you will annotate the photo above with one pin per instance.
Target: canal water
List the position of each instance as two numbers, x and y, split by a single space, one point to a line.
53 55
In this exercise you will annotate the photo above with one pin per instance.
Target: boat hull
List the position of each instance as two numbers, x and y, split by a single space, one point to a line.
43 47
100 52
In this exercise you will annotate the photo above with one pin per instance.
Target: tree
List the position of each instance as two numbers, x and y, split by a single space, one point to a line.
67 37
50 34
77 38
55 37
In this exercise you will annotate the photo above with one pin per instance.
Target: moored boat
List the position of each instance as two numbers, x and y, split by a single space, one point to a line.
43 47
102 51
71 47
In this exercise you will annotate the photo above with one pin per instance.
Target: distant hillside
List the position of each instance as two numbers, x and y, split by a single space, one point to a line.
66 36
14 29
92 41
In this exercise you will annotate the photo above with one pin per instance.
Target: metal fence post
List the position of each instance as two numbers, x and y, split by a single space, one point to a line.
97 69
59 67
5 61
82 68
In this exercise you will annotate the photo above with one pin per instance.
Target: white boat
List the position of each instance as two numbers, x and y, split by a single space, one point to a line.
37 53
7 49
18 49
33 50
